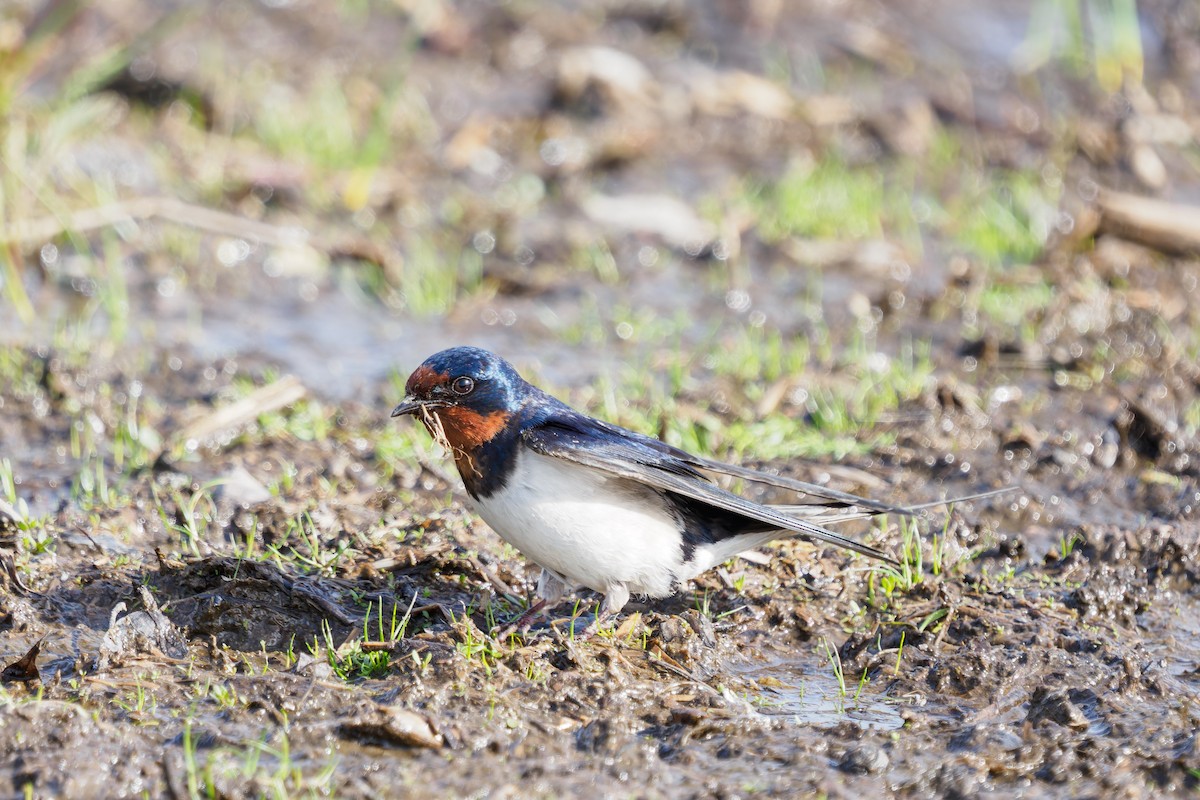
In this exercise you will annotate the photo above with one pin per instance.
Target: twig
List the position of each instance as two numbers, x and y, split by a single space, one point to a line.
437 429
495 580
9 565
875 254
27 232
202 218
391 644
283 392
661 661
937 642
1169 227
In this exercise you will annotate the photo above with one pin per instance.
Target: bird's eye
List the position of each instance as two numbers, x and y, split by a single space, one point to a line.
462 385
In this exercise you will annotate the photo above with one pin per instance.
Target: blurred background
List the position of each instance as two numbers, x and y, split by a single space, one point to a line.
394 175
786 228
911 248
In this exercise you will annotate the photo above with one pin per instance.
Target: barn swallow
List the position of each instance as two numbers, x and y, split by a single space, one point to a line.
594 504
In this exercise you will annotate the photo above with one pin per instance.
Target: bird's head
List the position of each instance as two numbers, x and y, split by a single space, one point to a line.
464 395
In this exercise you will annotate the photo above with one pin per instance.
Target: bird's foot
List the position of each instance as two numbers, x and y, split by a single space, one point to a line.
614 600
574 630
522 623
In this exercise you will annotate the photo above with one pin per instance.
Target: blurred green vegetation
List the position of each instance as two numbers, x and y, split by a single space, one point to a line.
346 129
1097 38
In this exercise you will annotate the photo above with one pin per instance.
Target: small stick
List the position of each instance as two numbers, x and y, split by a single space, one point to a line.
283 392
1165 226
26 232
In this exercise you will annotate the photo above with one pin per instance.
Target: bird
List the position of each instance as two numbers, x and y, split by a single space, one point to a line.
596 505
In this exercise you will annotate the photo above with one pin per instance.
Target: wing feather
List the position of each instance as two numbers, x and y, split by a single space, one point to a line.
580 439
667 452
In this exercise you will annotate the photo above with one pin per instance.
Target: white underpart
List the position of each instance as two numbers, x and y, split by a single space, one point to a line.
611 535
710 555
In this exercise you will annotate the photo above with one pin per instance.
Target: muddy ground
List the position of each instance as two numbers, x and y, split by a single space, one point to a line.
884 246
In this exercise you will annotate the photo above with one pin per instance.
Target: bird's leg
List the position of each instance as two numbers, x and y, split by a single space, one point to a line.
550 589
521 623
614 600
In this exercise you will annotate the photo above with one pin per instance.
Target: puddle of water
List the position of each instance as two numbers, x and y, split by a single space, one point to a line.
818 701
808 694
1173 635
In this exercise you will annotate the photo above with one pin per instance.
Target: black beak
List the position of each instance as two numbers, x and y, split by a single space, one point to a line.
408 406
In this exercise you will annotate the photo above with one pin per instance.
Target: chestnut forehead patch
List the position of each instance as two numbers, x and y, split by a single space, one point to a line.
423 379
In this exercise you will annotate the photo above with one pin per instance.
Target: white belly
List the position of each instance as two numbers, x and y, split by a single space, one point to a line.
588 530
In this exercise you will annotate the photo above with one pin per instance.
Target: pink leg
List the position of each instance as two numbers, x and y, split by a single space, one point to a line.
521 624
614 600
549 591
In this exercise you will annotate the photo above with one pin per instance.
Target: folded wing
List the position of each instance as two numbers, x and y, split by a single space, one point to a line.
575 437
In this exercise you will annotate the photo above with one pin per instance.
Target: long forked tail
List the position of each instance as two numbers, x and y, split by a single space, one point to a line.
828 515
832 513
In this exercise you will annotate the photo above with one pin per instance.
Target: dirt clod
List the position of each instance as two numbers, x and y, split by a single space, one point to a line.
140 632
392 726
